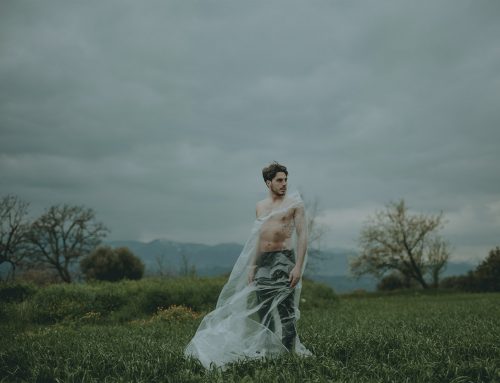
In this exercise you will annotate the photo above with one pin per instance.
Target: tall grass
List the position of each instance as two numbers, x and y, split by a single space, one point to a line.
397 338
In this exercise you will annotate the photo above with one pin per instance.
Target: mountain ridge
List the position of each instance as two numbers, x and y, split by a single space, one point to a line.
210 260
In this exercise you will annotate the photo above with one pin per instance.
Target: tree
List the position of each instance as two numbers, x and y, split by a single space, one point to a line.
315 233
396 240
132 266
186 269
466 282
487 273
13 230
162 265
62 235
108 264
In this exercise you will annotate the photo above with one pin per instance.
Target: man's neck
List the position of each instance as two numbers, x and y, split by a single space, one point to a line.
276 198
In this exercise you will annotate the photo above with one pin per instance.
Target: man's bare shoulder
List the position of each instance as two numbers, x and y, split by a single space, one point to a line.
262 202
261 205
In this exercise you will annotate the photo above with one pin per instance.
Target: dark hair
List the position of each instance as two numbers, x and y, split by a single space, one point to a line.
269 172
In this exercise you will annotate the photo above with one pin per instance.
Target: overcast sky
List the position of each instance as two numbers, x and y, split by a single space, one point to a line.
160 115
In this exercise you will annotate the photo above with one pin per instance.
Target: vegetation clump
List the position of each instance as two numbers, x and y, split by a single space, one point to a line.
108 264
485 278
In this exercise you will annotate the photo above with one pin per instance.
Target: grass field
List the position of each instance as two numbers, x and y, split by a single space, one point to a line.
387 338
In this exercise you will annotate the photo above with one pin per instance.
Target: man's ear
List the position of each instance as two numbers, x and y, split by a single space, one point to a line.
268 183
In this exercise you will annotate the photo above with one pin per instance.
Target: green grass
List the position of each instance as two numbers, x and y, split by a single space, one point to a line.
394 338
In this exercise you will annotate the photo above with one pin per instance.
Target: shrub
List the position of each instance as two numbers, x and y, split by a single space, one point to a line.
107 300
459 282
108 264
16 291
197 293
390 282
175 313
132 266
102 301
487 273
486 276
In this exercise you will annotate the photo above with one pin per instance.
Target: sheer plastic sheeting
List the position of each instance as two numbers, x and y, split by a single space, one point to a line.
255 319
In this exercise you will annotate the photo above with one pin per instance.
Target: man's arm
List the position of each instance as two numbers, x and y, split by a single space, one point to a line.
301 227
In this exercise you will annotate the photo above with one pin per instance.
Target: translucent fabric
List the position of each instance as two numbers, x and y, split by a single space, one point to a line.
256 318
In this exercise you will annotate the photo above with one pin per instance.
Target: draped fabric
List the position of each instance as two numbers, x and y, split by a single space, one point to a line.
259 318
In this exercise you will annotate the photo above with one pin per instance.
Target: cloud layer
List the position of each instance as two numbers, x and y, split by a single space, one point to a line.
161 115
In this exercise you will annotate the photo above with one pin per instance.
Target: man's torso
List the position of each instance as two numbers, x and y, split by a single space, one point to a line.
276 232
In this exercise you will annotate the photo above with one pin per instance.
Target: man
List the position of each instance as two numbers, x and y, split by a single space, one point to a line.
257 309
273 268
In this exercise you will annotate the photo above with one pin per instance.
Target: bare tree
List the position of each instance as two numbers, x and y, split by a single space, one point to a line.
186 269
438 255
62 235
315 233
13 230
164 270
395 240
160 263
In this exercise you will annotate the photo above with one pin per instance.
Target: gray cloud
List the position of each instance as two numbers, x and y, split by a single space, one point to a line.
160 115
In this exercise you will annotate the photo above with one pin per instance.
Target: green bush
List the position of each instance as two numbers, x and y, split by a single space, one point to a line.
127 300
485 278
16 291
459 282
107 300
108 264
124 300
390 282
487 273
196 293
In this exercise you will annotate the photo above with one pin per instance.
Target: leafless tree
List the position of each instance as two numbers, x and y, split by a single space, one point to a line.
186 269
62 235
164 270
13 229
438 254
315 233
395 240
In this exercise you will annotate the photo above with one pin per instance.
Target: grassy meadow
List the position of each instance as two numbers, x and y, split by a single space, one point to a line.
135 331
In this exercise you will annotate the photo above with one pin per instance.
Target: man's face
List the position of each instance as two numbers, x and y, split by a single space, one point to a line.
278 184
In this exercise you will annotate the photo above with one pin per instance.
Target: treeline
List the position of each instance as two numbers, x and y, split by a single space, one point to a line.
485 278
64 238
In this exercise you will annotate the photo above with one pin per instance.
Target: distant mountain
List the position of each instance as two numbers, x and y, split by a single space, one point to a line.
457 268
208 260
222 256
331 267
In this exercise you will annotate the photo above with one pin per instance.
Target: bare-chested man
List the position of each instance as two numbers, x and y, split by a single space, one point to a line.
274 267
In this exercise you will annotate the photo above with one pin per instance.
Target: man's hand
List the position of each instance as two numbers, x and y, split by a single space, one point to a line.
251 274
294 276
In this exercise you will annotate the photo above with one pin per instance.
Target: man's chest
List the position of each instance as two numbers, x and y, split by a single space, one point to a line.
284 219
